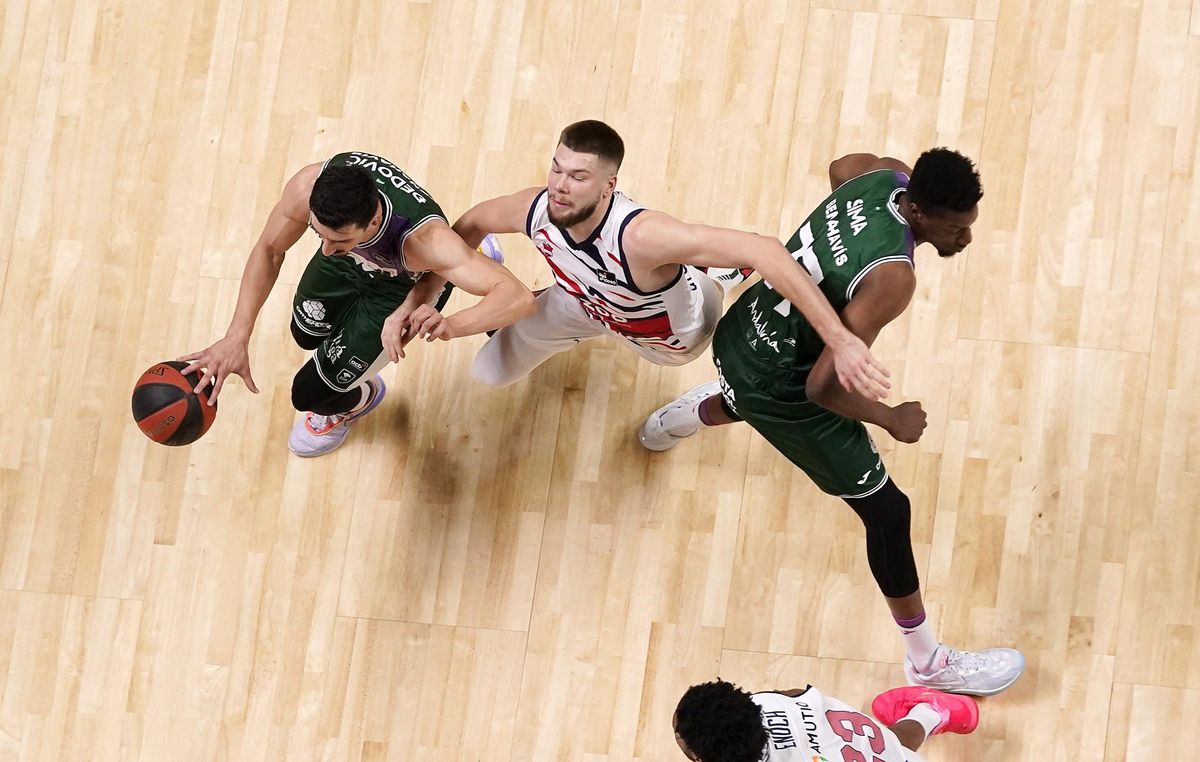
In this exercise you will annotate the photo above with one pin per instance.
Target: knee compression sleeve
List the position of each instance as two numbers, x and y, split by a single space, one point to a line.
311 393
886 515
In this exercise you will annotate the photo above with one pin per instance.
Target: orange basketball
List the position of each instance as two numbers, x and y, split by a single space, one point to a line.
165 407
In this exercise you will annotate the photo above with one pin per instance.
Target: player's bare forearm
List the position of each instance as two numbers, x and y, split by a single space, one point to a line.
285 224
426 291
506 303
835 399
504 214
258 278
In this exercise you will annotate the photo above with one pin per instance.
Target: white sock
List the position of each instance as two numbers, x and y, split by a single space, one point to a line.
920 643
683 421
926 716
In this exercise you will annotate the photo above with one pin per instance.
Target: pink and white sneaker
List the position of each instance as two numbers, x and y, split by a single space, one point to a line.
960 714
315 434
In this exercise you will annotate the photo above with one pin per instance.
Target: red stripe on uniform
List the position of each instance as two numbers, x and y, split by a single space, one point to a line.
562 277
657 327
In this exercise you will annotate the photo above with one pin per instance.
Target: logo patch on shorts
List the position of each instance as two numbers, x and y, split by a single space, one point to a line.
335 348
312 312
357 364
313 309
344 377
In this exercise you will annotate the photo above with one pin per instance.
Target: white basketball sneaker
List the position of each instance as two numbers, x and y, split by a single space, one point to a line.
490 247
315 435
978 673
682 419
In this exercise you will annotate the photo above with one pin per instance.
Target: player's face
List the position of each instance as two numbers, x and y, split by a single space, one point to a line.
578 182
949 232
337 241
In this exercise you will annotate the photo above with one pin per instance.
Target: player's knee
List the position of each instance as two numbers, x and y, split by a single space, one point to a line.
888 511
489 373
309 390
305 340
488 366
896 515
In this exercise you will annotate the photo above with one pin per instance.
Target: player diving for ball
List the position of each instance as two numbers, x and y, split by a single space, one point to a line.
635 274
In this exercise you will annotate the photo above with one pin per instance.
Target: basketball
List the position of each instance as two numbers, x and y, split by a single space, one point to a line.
165 407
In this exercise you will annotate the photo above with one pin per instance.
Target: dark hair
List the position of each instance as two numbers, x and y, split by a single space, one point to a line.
944 181
344 196
720 723
591 136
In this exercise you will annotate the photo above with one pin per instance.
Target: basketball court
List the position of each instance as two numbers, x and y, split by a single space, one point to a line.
484 574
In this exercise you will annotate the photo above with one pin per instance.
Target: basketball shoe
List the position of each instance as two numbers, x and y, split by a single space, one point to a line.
490 248
960 714
315 434
979 673
677 419
728 278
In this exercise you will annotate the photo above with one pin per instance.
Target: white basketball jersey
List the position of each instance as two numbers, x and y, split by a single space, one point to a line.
596 273
816 727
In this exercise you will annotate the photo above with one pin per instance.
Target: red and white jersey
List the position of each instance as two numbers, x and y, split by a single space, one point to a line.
596 272
815 727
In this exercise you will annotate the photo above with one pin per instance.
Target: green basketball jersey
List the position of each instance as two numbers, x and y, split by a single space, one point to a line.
857 227
406 207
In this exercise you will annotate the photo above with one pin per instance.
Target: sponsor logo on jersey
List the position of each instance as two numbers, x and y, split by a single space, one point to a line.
372 268
607 278
335 348
726 389
762 331
313 309
810 726
357 364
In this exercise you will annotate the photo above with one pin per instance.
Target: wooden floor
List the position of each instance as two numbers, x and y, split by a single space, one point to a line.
496 575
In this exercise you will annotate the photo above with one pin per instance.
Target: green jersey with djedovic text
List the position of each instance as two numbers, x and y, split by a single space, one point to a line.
405 206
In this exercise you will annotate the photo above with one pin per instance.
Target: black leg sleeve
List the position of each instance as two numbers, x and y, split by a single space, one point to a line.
886 515
311 393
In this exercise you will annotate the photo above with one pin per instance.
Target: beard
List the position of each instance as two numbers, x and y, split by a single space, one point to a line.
573 216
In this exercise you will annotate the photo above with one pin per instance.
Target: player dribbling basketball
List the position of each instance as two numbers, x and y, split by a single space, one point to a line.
365 293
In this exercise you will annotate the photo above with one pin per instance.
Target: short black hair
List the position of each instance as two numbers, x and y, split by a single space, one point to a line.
344 196
944 181
594 137
720 723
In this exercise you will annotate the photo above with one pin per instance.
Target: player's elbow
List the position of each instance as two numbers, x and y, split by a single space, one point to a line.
469 229
516 295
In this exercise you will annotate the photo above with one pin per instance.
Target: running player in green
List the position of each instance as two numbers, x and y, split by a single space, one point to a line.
363 295
775 373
